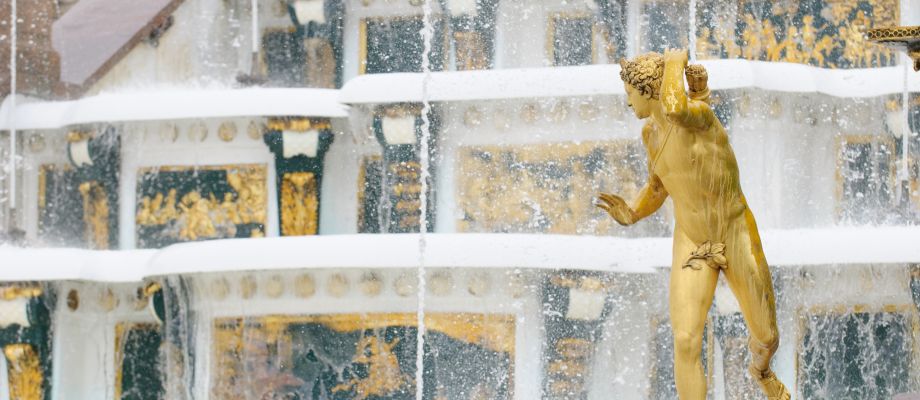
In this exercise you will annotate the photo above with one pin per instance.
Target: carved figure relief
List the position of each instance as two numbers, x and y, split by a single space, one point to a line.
823 33
177 204
383 374
367 356
549 181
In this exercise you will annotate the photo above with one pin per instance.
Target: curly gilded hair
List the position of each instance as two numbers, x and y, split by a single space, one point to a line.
644 73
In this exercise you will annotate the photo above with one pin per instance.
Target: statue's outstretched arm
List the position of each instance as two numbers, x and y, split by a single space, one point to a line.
649 200
678 108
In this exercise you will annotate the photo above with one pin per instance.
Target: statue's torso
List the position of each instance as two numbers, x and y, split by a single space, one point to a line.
699 170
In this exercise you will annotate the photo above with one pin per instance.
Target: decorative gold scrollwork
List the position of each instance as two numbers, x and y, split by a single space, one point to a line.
894 34
9 293
24 372
95 214
298 124
78 136
299 204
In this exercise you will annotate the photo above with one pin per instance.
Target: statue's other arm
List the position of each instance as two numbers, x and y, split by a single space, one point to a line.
678 108
649 200
651 197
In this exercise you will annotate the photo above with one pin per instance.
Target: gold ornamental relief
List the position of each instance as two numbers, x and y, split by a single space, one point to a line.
838 36
194 203
384 376
361 356
541 188
298 124
299 204
24 372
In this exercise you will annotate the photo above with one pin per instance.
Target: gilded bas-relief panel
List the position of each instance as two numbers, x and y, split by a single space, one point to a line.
823 33
299 204
362 356
183 204
547 188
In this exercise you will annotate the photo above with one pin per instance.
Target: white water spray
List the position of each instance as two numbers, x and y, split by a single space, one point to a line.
12 113
691 40
427 33
905 132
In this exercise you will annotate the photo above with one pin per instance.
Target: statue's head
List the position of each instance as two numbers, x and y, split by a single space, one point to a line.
642 78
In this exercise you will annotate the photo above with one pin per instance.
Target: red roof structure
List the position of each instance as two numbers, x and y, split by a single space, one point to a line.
95 34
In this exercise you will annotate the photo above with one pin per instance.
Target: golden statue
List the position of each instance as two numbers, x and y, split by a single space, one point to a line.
691 160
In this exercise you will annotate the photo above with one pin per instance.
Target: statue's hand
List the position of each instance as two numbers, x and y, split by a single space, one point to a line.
617 208
679 56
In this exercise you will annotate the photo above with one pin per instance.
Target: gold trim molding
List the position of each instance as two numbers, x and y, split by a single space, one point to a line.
299 204
10 293
298 124
896 34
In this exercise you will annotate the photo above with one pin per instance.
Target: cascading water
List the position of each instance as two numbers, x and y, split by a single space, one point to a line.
322 331
427 34
691 43
11 167
904 170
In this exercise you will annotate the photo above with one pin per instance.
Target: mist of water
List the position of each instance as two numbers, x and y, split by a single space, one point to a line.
425 173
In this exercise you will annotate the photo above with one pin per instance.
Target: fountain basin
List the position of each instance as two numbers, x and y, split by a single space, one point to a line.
293 315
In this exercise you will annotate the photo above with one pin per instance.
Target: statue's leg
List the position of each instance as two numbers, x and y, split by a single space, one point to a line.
749 278
691 295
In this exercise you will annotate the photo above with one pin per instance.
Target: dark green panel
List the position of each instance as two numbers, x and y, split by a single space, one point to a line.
141 377
857 356
284 58
372 192
61 214
330 364
395 45
573 41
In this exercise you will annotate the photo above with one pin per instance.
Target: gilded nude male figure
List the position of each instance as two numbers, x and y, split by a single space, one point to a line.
691 160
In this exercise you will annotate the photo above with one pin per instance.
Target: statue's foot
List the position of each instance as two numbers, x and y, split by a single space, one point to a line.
769 384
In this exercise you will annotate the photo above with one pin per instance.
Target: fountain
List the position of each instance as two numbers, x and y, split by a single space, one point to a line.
392 199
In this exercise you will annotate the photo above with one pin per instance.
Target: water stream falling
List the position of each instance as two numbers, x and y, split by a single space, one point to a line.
904 171
691 39
427 33
12 115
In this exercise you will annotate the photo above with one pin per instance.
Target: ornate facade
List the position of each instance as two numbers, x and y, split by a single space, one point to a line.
318 130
